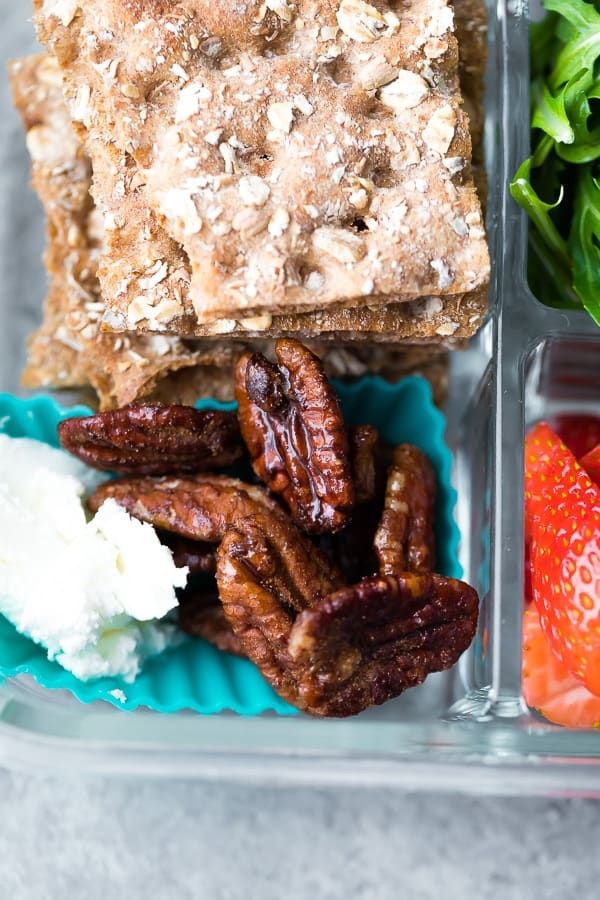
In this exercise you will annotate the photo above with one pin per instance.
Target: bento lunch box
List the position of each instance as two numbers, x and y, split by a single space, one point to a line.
466 729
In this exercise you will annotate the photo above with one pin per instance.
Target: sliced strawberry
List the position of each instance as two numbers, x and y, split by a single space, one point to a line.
591 463
579 431
562 511
547 684
528 575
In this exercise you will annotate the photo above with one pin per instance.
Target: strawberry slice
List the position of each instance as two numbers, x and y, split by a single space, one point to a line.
591 463
528 575
562 512
547 684
579 431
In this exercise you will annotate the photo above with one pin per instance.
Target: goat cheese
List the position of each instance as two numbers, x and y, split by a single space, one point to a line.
90 592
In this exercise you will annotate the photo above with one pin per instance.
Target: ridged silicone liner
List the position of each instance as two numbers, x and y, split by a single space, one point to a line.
194 675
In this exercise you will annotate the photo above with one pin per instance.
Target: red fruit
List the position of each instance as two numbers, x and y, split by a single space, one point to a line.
591 463
579 432
547 684
528 574
562 512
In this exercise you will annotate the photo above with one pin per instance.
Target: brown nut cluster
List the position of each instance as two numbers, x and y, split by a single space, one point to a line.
150 439
351 648
338 622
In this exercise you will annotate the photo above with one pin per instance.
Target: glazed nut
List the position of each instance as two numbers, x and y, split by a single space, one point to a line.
405 540
363 441
291 422
347 649
199 556
199 508
149 439
201 615
369 642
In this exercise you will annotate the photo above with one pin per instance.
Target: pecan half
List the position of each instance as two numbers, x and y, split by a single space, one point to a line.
369 642
199 556
202 615
350 648
199 508
203 508
363 441
352 548
292 424
405 540
154 440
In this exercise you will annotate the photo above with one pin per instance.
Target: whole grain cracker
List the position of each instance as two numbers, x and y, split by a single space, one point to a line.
285 99
69 350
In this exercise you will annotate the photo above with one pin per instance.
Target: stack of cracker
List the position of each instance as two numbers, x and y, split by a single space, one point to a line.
218 173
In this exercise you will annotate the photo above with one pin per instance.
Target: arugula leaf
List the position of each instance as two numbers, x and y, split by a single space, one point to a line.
542 39
549 279
583 243
549 114
522 191
581 153
564 237
586 143
583 49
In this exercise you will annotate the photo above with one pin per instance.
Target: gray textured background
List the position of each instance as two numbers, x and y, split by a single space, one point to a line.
135 839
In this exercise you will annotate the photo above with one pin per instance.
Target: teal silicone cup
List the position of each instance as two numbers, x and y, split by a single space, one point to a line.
194 675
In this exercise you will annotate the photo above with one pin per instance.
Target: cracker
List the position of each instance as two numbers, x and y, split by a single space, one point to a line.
273 151
142 256
69 350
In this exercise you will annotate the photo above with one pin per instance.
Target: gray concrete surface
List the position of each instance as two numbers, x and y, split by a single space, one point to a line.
106 840
169 840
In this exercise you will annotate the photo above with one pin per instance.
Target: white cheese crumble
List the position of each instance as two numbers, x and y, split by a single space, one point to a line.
90 592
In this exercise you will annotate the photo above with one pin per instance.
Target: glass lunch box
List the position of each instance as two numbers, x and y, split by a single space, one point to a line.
467 729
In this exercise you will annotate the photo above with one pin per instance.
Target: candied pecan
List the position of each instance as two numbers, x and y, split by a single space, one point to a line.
367 643
349 648
363 440
202 615
202 508
352 548
150 439
246 572
405 540
199 556
291 422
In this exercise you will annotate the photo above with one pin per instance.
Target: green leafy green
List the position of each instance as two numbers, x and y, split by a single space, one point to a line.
549 113
522 191
583 243
583 48
564 239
